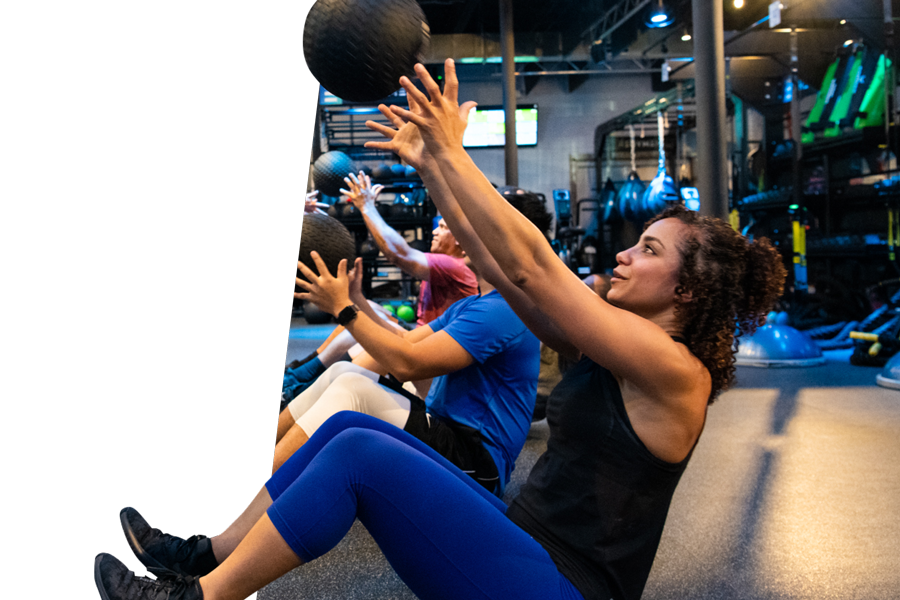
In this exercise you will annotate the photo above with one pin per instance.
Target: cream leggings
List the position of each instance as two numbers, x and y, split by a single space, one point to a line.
345 386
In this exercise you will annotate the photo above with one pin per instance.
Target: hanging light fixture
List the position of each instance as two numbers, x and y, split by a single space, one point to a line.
659 16
686 36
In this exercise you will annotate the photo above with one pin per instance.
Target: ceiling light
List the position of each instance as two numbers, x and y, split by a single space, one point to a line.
659 16
739 3
686 37
843 21
847 43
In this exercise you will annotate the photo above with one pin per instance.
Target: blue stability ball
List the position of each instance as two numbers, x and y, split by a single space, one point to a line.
629 197
778 346
890 376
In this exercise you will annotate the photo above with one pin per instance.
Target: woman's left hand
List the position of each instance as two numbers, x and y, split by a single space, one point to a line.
330 293
439 117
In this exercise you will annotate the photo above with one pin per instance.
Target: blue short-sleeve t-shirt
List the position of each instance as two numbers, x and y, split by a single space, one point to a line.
495 394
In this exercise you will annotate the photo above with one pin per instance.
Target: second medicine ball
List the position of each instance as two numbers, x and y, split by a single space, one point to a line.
329 238
329 171
359 49
382 171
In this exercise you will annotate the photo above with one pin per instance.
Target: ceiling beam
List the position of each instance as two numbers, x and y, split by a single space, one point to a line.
613 19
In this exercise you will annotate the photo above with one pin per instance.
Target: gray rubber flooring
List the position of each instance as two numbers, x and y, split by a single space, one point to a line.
793 492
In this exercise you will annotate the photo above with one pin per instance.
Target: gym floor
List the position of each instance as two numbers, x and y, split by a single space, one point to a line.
793 492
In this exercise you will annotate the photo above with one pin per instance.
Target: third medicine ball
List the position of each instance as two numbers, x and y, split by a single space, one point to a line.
329 238
329 171
359 49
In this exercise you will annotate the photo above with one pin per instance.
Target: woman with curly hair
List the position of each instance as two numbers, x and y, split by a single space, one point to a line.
623 421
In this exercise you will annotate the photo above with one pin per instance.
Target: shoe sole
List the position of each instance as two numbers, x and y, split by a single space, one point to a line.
147 560
97 578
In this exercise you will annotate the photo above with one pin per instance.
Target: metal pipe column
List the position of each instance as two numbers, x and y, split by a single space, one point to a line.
711 174
507 43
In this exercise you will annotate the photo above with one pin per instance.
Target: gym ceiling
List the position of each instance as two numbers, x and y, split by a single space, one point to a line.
559 34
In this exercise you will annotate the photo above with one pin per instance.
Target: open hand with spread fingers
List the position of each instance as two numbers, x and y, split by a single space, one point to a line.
361 191
438 115
312 205
329 292
405 139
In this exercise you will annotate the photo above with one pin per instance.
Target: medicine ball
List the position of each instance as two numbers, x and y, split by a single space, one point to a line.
398 171
382 171
359 49
315 315
411 172
369 249
329 171
329 238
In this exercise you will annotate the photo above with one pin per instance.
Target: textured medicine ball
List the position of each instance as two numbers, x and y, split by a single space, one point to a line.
329 238
359 49
329 171
382 171
315 315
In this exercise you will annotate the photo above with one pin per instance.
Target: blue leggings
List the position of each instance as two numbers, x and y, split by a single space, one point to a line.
443 534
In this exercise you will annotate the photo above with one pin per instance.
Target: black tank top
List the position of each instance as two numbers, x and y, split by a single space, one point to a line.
597 499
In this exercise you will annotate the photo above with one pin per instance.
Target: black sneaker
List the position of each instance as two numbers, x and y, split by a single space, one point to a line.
157 550
115 582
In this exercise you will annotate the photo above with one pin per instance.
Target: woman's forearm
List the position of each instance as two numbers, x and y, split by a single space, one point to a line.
517 246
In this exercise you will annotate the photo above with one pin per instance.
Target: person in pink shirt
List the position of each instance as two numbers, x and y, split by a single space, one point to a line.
444 275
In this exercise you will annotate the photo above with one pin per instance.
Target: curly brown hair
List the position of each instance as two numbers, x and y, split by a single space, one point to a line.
732 283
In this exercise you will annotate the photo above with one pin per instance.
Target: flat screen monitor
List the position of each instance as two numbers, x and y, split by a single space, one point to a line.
487 127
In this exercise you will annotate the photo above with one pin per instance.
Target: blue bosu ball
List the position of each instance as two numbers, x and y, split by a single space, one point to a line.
890 375
778 346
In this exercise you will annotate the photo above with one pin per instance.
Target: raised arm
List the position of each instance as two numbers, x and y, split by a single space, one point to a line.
363 194
422 358
630 346
407 143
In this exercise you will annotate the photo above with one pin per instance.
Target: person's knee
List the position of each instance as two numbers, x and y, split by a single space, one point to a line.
339 368
364 450
343 420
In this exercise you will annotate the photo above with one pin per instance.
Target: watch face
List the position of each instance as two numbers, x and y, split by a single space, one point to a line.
347 314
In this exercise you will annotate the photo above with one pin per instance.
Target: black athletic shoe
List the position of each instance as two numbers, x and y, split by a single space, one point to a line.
157 550
115 582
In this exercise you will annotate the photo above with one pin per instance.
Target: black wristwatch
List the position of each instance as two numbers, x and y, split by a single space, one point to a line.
347 314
